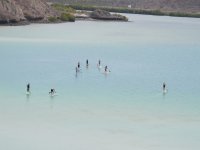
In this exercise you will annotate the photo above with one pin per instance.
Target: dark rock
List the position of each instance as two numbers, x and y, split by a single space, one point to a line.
105 15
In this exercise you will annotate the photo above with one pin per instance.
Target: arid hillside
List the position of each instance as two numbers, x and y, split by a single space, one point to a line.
187 6
14 11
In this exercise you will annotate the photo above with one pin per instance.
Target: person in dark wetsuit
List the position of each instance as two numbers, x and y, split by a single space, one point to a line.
164 86
28 87
87 63
99 63
79 65
52 91
106 68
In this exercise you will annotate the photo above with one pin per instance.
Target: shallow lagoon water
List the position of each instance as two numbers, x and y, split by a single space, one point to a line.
124 109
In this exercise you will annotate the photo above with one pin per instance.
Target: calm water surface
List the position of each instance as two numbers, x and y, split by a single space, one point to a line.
124 109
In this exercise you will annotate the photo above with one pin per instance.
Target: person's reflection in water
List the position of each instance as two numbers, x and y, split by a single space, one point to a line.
76 75
163 96
27 97
51 102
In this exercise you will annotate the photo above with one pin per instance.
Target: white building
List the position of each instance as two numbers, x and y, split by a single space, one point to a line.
129 6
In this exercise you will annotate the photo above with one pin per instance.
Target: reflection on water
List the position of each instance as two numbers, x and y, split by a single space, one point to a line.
28 96
51 102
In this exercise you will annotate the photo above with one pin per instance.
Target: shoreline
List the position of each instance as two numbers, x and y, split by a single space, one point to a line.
28 22
81 16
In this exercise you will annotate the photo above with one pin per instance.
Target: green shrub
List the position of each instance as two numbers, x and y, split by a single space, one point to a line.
62 8
67 17
52 19
179 14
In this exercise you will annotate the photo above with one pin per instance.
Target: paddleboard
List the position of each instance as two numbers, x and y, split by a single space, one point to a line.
106 72
165 91
28 93
99 66
55 94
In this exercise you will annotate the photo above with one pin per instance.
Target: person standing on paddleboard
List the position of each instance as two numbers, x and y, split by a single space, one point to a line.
99 63
87 63
79 65
28 87
164 86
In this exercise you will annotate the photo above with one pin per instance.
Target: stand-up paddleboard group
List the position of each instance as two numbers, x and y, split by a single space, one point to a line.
77 69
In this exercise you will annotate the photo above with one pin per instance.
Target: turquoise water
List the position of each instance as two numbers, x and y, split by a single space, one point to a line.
124 109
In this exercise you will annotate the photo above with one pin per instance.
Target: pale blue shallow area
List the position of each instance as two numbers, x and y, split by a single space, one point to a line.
124 109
